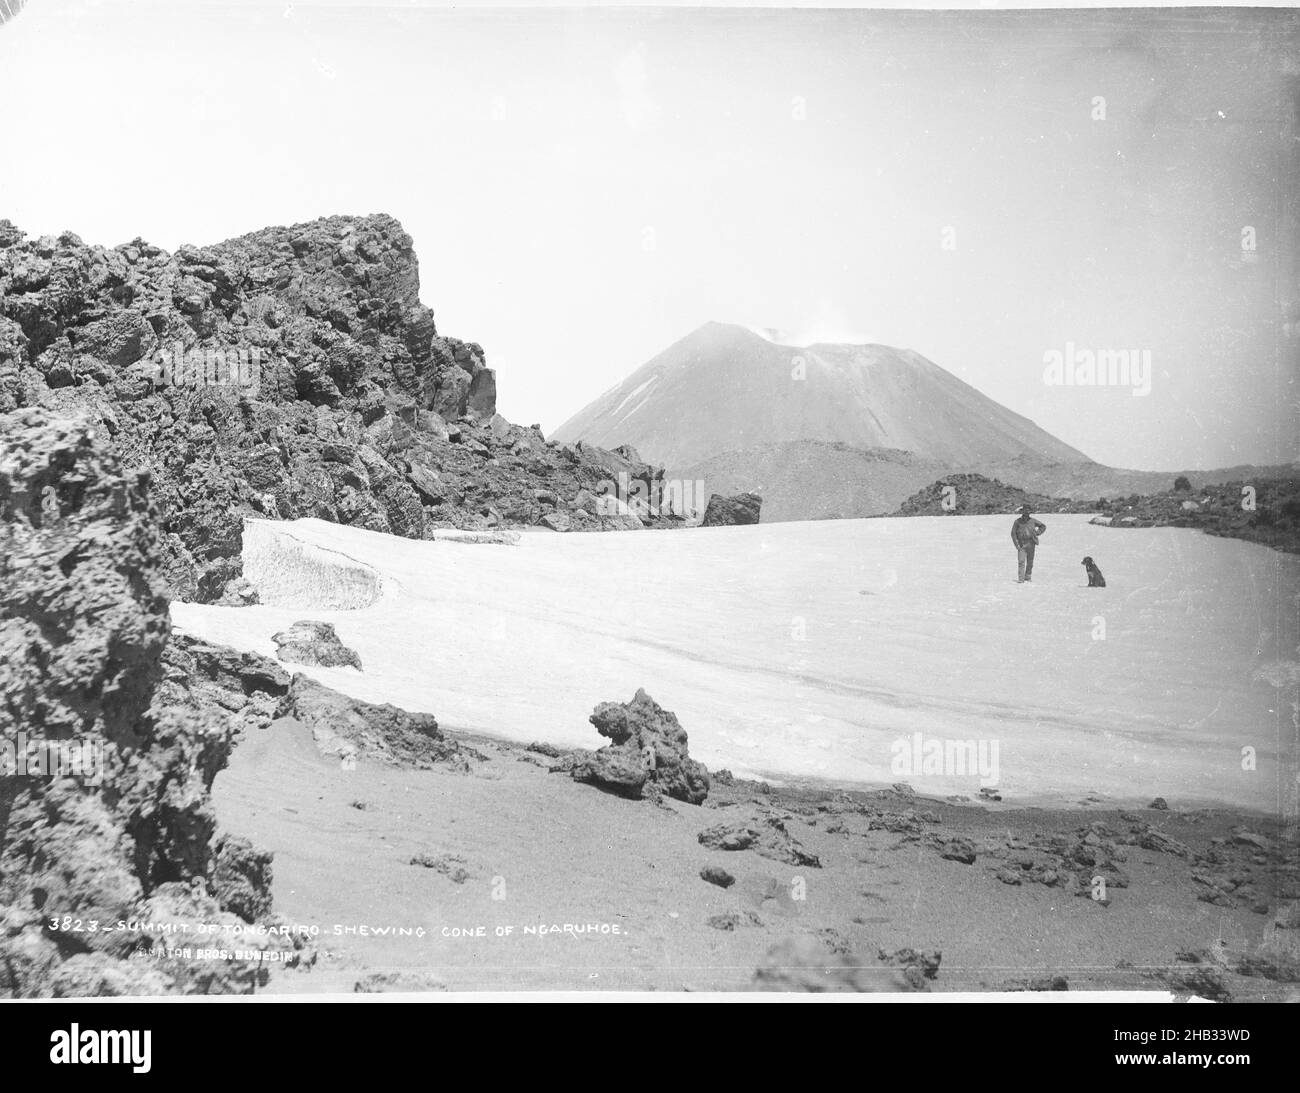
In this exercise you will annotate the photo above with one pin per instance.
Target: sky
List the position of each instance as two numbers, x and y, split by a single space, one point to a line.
586 186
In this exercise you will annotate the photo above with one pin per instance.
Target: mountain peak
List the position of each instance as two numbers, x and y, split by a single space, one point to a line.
725 387
786 338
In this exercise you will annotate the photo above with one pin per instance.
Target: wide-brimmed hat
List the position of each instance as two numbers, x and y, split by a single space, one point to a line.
1026 510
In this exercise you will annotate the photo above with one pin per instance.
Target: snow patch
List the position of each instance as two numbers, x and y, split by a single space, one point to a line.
810 649
288 572
633 395
634 409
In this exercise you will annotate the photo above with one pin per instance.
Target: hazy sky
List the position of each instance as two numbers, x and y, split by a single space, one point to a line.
584 187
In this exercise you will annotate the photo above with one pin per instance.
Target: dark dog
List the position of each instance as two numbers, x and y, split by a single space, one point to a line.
1095 579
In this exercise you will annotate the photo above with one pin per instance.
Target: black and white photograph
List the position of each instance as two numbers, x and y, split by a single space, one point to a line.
621 501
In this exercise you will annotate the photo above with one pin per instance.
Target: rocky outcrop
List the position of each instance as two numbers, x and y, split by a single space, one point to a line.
245 685
288 373
352 729
112 832
316 644
722 511
976 495
647 755
242 673
241 879
765 835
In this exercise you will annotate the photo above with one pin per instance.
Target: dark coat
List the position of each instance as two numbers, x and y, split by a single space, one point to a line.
1026 530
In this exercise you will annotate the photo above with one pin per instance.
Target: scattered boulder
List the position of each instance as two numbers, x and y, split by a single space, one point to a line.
647 755
1152 839
962 850
730 920
1087 863
721 511
717 875
767 836
1244 837
316 644
451 866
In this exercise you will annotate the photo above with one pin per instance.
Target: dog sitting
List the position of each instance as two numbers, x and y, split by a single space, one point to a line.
1095 579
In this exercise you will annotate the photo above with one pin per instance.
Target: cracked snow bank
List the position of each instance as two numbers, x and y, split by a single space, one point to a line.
288 572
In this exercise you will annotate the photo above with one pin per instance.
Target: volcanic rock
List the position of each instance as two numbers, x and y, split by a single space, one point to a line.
352 729
451 866
246 673
962 850
241 879
723 511
292 372
647 755
974 495
314 643
767 836
85 666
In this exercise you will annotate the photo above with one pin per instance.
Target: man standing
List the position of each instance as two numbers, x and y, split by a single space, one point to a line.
1024 533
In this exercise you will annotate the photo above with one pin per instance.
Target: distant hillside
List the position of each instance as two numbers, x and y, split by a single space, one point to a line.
1090 481
815 480
976 495
1270 517
725 389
